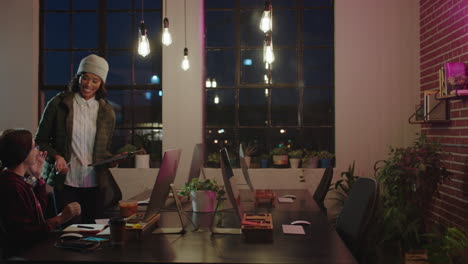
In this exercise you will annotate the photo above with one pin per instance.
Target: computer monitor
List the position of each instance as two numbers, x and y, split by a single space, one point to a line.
162 185
230 184
197 162
245 169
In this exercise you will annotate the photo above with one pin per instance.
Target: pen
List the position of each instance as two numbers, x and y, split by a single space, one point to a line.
86 227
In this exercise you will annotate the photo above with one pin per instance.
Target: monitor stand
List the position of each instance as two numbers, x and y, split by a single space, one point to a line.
175 230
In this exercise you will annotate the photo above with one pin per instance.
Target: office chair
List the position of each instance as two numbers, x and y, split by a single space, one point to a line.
322 188
357 212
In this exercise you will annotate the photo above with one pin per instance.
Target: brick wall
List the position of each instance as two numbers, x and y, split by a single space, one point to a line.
444 38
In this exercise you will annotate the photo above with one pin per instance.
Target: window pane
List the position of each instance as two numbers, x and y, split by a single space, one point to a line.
318 27
85 4
219 4
319 139
318 67
255 136
219 28
153 28
287 136
148 4
119 31
284 106
56 29
148 108
284 28
119 4
120 64
220 107
218 138
261 3
251 35
57 67
56 5
318 3
85 30
253 72
148 67
225 75
120 138
121 102
253 107
318 106
284 68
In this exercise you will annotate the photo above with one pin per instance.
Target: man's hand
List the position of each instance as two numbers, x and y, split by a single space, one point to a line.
71 210
36 169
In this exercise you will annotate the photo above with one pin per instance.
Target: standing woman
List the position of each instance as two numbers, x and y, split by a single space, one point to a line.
23 197
76 130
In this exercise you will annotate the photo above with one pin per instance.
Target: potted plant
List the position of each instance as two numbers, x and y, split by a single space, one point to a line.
264 160
213 160
203 194
249 151
325 158
310 159
408 179
151 146
280 156
448 246
295 158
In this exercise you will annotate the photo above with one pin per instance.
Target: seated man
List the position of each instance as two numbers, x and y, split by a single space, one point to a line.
23 197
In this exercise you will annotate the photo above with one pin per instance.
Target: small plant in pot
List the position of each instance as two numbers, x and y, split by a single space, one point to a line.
310 159
280 156
249 151
295 157
264 160
213 160
325 159
203 193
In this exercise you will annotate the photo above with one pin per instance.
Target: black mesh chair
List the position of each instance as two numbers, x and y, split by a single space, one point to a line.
357 211
322 188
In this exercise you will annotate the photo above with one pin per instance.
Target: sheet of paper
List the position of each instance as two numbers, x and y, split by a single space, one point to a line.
85 228
104 232
104 221
285 200
293 229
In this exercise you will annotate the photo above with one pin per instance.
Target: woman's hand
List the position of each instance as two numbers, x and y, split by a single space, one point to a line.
60 165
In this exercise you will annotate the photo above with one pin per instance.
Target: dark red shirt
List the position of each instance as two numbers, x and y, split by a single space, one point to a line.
19 213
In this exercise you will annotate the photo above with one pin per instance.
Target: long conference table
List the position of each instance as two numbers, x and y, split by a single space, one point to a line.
320 244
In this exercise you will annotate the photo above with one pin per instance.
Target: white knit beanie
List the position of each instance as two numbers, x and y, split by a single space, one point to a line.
94 64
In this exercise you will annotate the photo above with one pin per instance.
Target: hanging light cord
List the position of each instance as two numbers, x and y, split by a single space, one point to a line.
142 8
165 7
185 21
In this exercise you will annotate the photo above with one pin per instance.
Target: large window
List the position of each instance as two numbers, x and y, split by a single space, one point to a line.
297 108
73 29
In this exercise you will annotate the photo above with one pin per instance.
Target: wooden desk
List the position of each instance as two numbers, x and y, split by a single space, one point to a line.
321 244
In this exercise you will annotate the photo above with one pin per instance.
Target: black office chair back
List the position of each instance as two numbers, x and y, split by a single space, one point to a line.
323 187
357 212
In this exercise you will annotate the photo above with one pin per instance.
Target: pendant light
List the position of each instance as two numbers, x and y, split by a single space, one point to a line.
166 35
266 23
185 62
268 54
143 43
